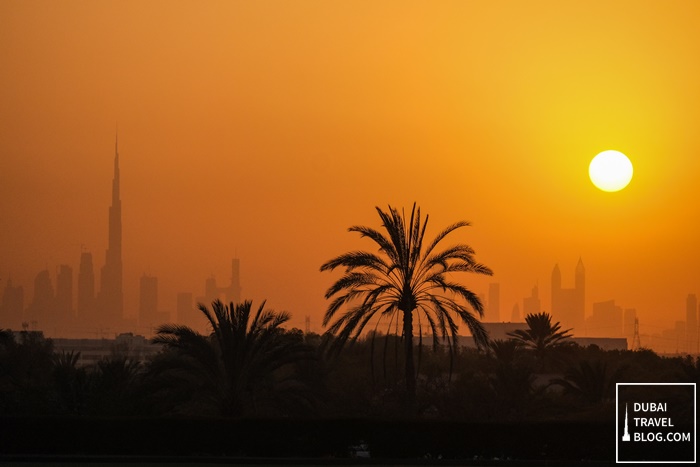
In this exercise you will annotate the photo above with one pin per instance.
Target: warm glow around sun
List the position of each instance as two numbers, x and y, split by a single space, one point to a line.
610 170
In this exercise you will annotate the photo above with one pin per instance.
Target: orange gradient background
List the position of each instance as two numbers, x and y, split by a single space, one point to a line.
263 129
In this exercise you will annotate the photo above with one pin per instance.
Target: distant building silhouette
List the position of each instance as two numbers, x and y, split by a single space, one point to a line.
515 314
86 287
628 324
232 293
691 323
111 296
500 331
12 307
606 320
493 310
90 351
568 305
149 315
532 304
38 312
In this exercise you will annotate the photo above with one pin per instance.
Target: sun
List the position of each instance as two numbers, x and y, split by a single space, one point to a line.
610 170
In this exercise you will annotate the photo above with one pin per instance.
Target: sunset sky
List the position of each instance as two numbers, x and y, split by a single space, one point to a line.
264 129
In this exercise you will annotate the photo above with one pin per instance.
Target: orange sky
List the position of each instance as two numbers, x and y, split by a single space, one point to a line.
263 129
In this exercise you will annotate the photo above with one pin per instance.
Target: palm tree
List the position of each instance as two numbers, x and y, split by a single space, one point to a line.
242 366
504 351
403 282
114 385
70 381
591 380
541 336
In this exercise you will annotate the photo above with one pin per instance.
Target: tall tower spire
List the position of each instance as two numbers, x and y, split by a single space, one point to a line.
111 295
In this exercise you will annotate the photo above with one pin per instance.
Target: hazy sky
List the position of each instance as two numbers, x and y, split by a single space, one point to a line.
263 129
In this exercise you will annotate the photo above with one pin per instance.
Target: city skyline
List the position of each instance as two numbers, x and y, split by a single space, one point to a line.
263 134
104 310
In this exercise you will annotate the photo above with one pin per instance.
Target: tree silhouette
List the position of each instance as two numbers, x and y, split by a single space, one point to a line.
591 381
510 380
70 382
242 367
25 373
405 282
689 369
504 351
541 336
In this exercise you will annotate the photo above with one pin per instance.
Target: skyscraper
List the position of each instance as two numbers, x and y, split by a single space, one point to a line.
515 314
39 311
111 298
531 304
232 293
568 305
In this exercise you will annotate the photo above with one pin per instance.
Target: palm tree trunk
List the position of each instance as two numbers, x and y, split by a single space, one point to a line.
408 350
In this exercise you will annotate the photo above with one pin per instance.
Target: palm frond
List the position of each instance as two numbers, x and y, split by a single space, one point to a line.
404 277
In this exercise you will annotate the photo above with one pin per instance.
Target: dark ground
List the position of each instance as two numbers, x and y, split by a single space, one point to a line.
42 441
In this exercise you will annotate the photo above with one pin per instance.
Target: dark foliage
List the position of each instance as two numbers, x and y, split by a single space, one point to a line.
25 373
245 367
541 337
407 281
484 405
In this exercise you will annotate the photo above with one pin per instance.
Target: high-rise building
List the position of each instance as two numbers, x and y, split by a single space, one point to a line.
111 297
86 287
568 305
232 293
39 311
532 304
515 314
493 310
211 291
150 318
691 323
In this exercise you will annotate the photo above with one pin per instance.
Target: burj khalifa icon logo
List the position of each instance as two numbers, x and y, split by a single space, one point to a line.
626 435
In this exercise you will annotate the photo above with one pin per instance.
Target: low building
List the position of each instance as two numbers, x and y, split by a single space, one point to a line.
500 331
93 350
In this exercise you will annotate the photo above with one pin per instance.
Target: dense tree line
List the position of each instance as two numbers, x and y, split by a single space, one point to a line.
290 374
